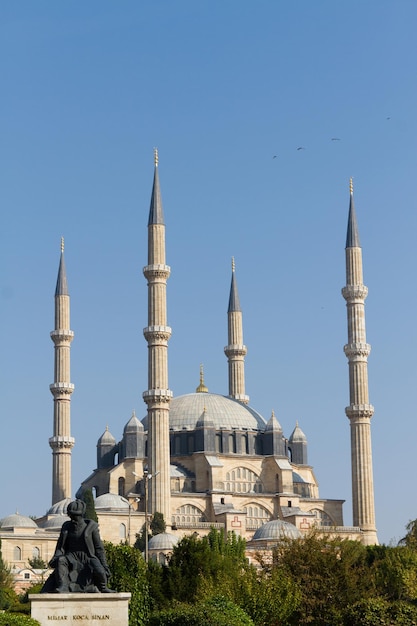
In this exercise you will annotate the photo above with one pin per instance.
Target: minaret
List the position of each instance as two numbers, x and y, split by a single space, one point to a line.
157 334
61 389
359 410
236 350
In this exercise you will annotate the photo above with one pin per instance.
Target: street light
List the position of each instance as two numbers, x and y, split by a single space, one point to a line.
147 477
128 528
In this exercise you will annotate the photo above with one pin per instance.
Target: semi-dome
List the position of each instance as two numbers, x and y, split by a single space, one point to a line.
163 541
18 521
275 530
185 411
111 501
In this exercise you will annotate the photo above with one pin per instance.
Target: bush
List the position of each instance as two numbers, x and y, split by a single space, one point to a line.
215 612
10 619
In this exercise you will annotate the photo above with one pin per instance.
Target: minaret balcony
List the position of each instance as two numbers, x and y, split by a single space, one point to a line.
235 350
359 411
157 272
357 351
58 389
355 293
157 334
60 442
62 335
155 396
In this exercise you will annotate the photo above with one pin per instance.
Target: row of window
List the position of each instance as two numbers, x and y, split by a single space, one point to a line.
17 553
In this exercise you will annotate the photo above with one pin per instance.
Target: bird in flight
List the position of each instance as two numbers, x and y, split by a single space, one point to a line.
275 156
335 138
300 148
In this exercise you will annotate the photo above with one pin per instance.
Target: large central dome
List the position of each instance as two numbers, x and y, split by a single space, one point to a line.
185 411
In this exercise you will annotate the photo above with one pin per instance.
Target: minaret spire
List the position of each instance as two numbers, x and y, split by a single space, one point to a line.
61 389
157 334
235 350
359 411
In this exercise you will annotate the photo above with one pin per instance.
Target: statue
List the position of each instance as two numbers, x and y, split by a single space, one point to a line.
79 561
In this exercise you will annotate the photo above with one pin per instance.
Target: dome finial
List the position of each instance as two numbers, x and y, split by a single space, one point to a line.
62 244
351 185
233 263
201 387
155 156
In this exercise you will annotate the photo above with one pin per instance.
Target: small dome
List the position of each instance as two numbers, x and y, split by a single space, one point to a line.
276 529
133 425
185 411
111 501
18 521
297 435
163 541
106 438
54 522
59 508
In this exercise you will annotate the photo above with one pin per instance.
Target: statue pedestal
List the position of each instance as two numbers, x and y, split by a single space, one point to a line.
93 609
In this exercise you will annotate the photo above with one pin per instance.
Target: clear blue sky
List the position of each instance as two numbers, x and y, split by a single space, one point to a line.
221 88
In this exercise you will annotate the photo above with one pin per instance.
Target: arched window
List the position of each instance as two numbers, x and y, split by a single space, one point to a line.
256 516
243 480
17 553
188 514
122 532
177 444
36 553
121 486
323 518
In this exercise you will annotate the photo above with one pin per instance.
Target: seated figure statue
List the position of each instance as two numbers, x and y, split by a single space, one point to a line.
79 561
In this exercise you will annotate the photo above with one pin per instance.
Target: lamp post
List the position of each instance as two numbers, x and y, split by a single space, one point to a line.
128 527
147 477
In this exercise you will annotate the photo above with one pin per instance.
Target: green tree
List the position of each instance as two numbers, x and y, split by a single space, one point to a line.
128 573
37 563
330 573
157 524
90 511
141 538
201 568
410 539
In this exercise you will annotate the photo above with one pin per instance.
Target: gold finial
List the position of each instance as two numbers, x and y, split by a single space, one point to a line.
62 244
133 413
233 263
107 427
351 185
155 156
201 387
273 413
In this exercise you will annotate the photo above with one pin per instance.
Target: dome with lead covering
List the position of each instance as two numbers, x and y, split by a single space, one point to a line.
18 521
111 501
60 508
186 411
275 530
163 541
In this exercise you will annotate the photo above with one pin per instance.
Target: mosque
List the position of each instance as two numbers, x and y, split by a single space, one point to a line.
202 459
